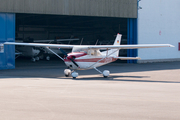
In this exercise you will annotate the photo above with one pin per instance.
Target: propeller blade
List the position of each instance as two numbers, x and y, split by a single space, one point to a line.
74 62
63 52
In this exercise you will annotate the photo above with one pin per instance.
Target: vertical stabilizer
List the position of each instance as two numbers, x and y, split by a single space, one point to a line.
118 39
116 42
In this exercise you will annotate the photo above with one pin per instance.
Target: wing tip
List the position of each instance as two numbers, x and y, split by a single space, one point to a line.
171 46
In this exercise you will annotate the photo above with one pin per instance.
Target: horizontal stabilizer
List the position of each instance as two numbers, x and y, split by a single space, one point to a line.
1 48
128 58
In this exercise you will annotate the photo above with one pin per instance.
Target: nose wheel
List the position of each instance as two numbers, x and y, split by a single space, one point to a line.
68 72
74 74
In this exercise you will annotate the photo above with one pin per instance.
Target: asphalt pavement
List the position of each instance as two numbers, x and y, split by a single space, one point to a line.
40 91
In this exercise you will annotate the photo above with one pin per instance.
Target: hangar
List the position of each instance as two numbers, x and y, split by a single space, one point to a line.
142 22
48 19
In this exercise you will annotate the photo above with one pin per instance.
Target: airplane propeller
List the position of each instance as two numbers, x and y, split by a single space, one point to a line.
69 58
74 62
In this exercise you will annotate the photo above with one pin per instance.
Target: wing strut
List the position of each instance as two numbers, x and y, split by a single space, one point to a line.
98 70
55 53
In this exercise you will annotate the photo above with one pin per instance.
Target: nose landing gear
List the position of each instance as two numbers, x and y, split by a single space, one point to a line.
68 72
74 74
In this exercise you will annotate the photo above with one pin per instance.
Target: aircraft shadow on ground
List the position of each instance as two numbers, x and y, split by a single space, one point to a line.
56 72
120 79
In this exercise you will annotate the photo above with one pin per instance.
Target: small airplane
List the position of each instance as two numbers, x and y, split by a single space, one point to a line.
85 57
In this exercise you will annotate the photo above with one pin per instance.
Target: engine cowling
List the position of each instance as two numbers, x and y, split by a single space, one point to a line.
67 72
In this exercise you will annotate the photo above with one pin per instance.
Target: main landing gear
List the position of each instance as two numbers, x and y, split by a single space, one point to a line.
34 59
74 74
105 73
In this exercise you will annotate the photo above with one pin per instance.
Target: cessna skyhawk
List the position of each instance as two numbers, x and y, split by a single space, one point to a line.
85 57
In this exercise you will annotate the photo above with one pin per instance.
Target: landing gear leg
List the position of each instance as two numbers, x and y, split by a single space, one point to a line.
105 73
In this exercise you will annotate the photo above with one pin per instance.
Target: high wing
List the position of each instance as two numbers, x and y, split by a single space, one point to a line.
92 46
130 46
41 45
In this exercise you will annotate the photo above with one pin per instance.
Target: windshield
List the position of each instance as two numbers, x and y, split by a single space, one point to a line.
80 49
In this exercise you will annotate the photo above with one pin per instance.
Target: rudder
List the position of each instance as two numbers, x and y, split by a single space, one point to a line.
116 42
118 39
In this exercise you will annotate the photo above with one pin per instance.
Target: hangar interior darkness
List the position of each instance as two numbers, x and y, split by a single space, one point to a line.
41 27
90 29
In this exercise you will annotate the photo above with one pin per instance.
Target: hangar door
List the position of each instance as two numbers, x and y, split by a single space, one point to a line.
89 30
7 34
132 38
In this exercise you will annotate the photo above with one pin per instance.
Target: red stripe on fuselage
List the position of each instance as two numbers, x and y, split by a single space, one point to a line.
106 60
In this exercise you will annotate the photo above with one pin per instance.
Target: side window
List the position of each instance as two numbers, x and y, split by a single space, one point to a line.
92 52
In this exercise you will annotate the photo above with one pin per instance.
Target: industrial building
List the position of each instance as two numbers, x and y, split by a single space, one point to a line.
140 22
159 23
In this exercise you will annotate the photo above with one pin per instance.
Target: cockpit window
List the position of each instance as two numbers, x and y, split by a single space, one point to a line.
86 50
94 52
80 50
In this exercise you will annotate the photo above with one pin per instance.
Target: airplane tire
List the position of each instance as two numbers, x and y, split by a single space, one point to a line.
47 58
33 59
74 75
37 58
106 73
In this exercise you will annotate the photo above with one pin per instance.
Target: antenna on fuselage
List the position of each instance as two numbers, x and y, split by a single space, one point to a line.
96 42
81 41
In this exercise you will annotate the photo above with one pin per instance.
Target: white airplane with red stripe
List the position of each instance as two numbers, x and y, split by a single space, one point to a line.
85 57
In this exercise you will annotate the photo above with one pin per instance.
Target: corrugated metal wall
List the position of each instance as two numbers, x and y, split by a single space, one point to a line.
106 8
7 34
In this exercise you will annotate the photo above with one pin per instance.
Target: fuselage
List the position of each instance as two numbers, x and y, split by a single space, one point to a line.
87 61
